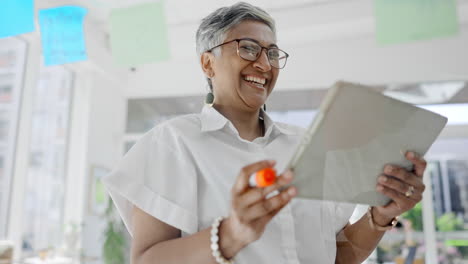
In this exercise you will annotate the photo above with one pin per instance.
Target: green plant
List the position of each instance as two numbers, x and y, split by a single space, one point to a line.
115 243
415 216
444 223
449 222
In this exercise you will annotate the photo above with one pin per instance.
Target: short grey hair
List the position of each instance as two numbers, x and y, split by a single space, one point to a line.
213 28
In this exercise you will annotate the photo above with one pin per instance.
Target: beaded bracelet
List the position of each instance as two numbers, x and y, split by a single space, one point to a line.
215 243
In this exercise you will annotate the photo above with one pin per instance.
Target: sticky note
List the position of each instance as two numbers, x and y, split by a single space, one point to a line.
62 35
16 17
138 34
400 21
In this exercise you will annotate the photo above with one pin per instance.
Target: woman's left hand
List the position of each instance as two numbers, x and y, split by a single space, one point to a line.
404 187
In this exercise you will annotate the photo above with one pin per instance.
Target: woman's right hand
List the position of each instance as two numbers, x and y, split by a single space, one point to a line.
251 211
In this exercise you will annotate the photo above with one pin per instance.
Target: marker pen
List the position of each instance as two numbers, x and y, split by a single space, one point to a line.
263 178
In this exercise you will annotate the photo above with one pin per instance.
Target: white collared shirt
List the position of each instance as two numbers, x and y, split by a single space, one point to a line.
182 172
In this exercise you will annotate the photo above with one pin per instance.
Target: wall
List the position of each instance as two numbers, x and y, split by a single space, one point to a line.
326 43
107 111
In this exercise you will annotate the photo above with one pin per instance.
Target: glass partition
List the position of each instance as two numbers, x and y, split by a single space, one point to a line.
43 225
12 59
447 163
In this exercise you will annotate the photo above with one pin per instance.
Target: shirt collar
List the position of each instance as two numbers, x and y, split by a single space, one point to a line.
212 120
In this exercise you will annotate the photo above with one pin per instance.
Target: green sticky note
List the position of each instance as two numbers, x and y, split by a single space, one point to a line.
138 34
399 21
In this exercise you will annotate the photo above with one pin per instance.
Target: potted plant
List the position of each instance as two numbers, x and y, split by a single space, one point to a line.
115 243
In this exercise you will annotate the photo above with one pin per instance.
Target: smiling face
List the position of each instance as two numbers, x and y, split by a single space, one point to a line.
239 83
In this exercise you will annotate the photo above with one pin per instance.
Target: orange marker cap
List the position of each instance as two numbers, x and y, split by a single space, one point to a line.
265 177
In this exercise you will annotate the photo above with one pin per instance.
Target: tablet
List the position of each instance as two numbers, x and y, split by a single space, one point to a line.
356 131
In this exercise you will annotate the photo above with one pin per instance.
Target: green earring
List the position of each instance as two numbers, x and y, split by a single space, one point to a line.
209 99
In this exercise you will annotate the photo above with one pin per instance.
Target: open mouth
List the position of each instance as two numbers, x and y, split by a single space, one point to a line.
255 81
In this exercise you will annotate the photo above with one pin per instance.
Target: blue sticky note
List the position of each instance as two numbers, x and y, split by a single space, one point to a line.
16 17
62 34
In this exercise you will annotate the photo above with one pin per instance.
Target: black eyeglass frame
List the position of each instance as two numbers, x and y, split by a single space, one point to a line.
259 54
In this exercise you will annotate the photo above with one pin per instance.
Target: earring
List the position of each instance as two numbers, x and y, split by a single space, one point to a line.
209 99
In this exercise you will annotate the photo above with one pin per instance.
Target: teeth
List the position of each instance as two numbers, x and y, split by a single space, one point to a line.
261 81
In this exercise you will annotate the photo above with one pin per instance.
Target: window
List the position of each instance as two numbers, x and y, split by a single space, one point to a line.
12 58
45 181
447 169
449 174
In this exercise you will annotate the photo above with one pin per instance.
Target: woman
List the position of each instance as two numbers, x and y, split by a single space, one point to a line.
185 173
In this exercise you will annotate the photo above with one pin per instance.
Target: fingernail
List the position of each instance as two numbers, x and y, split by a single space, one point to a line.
292 191
383 179
379 188
388 169
288 175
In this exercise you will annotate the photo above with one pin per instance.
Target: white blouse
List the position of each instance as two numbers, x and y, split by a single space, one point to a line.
182 171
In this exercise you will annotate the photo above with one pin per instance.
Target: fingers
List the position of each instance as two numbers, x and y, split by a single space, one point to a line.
283 180
396 192
404 187
250 211
419 163
400 179
404 203
399 186
254 195
270 206
242 181
267 218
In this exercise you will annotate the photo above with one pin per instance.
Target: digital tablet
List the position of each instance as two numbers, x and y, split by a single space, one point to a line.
356 132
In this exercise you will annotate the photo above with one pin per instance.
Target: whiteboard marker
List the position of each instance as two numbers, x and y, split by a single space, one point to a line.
263 178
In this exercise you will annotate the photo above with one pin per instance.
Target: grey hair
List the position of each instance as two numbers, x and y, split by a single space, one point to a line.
214 27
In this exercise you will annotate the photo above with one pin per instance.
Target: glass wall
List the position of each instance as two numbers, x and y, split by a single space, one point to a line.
43 225
12 59
447 171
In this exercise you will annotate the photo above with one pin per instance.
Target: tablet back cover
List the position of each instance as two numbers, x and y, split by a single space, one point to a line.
356 132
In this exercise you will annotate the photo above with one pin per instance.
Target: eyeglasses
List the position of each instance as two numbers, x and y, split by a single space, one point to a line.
250 50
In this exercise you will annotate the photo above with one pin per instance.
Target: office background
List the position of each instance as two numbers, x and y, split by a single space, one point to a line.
67 119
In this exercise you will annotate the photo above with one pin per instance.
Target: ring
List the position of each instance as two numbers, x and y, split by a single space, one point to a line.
410 191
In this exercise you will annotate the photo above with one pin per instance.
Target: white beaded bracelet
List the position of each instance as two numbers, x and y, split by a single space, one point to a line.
215 243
